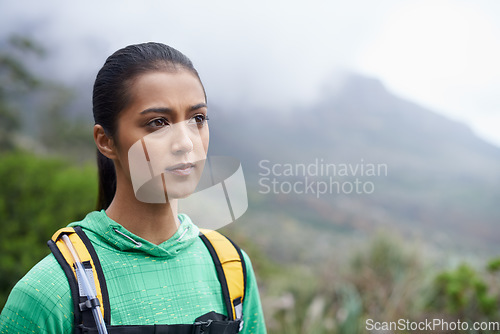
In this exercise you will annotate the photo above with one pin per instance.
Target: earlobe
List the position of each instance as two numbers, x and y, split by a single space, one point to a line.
103 142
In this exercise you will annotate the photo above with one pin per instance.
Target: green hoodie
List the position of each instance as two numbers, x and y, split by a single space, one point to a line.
171 283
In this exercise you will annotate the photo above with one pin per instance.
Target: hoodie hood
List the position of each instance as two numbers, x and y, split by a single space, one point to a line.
113 235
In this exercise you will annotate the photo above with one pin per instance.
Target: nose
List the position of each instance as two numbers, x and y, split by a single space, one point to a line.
181 142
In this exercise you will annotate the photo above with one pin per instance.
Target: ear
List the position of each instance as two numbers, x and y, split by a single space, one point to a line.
103 142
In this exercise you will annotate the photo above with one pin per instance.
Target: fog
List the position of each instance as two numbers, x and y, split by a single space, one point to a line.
279 54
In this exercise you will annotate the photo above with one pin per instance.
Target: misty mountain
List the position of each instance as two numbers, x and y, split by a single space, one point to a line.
442 183
359 119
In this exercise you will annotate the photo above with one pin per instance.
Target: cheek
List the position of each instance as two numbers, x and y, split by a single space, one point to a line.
123 159
122 145
205 138
200 141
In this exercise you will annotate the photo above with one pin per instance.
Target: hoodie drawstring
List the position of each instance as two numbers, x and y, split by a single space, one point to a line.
138 244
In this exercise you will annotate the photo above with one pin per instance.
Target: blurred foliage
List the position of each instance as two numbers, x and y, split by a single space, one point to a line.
37 197
385 280
38 194
37 113
378 281
15 79
494 265
64 135
466 294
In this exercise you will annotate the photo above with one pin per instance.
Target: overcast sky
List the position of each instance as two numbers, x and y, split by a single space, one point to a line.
440 54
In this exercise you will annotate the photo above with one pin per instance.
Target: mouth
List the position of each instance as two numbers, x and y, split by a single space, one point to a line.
181 169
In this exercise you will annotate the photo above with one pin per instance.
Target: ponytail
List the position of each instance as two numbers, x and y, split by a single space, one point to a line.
107 181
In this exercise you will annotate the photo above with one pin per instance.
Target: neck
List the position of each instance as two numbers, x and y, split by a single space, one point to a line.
153 222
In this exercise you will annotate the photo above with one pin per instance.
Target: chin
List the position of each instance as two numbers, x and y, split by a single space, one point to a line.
163 189
179 191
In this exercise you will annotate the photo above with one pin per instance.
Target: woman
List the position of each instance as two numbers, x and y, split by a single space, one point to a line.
157 270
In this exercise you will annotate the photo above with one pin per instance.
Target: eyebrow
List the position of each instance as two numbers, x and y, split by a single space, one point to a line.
165 110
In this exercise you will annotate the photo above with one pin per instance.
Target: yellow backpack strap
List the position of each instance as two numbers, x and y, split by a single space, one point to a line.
231 270
89 259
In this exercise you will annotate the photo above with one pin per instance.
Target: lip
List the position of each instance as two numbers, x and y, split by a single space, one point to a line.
182 169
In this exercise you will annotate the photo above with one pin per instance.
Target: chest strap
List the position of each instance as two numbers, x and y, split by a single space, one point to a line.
214 323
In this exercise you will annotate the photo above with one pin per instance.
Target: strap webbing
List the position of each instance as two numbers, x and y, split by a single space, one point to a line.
87 253
216 327
230 267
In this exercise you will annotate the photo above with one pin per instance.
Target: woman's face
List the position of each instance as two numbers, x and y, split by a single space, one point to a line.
162 135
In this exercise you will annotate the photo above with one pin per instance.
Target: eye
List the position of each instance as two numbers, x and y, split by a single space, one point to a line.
158 123
199 120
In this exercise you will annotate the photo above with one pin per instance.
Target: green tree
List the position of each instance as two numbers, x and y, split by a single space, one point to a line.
466 294
51 124
15 80
37 197
61 134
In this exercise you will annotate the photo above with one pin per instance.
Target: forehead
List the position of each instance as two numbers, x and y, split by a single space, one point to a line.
177 89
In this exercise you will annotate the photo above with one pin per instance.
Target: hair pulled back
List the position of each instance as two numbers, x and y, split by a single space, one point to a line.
111 95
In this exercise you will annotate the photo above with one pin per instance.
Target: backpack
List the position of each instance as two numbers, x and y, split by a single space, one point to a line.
228 261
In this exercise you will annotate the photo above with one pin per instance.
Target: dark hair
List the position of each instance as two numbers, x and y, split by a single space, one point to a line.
111 96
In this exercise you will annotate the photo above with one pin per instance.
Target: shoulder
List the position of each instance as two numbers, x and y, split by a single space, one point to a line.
246 258
227 251
40 300
44 279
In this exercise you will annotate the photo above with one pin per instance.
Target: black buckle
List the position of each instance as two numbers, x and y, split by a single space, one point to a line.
89 304
202 327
